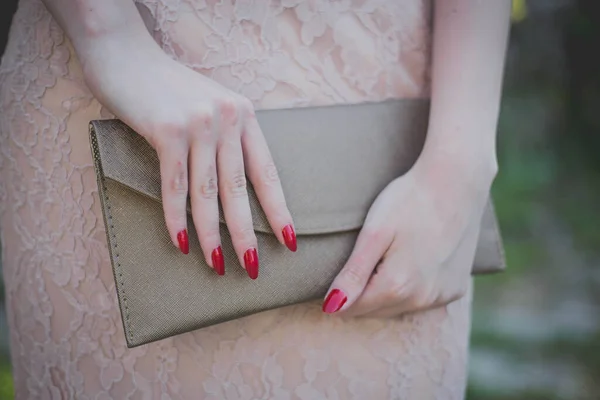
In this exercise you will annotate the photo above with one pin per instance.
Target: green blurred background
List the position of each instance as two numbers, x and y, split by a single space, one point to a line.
536 328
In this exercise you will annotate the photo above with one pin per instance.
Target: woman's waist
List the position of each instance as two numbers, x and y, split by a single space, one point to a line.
309 53
281 57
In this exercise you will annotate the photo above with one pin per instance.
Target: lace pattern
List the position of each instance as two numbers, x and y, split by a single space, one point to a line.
66 334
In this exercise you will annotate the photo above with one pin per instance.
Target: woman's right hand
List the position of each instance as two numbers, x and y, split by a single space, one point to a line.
207 139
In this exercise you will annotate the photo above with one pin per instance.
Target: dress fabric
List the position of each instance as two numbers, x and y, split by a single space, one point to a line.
65 329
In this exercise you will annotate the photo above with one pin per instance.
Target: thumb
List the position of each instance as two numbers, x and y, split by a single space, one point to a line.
352 279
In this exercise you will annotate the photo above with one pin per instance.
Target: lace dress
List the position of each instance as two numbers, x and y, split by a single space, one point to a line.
65 329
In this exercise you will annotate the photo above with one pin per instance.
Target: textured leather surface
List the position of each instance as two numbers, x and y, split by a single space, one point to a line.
333 161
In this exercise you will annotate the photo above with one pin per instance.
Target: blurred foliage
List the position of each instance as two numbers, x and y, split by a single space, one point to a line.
519 10
6 383
547 195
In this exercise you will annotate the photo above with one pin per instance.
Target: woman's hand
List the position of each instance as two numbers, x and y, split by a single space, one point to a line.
417 245
207 139
416 248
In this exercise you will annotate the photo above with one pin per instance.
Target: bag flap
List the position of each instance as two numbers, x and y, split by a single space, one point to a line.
332 161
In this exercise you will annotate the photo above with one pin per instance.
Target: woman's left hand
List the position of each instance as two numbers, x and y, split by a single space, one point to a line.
417 245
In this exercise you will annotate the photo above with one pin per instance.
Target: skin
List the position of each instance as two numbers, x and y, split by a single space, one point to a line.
417 245
206 136
418 242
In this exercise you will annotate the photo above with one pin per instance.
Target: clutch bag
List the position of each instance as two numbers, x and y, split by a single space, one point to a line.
333 161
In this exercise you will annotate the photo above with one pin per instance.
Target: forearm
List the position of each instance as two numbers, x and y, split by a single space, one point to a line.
469 48
94 26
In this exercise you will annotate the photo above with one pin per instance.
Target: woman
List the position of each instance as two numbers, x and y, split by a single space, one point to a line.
192 97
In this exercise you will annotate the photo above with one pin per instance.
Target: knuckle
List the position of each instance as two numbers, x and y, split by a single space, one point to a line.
210 234
204 119
174 219
270 174
354 275
201 124
421 298
179 182
244 235
358 258
163 135
460 293
173 130
390 296
397 290
441 295
237 185
451 296
418 301
228 109
209 190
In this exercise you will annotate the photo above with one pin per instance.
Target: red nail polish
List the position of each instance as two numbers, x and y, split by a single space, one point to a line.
218 261
184 243
334 301
289 237
251 261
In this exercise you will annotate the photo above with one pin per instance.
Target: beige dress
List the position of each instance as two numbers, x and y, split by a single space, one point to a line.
65 330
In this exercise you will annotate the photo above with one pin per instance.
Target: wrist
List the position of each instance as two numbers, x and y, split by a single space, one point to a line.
114 47
466 165
107 60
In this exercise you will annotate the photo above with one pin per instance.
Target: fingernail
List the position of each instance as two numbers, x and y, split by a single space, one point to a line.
334 301
289 237
184 243
218 261
251 261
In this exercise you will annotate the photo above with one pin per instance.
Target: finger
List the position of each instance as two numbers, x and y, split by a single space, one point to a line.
174 187
352 279
204 198
233 188
383 305
264 177
399 287
395 290
388 288
389 312
408 307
